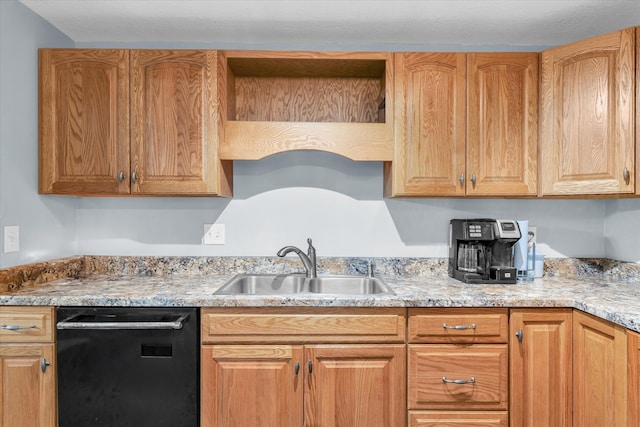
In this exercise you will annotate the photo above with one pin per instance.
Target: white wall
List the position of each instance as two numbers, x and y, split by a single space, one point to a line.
47 224
286 198
277 201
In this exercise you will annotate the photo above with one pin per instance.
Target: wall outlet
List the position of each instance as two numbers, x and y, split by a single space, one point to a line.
11 238
214 234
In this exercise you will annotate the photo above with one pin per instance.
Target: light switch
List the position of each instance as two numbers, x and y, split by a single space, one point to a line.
11 238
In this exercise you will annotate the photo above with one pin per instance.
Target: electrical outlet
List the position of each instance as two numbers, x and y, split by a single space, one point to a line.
214 234
11 238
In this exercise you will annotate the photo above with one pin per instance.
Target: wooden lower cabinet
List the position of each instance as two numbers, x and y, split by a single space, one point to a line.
27 367
540 368
303 367
633 376
599 372
458 419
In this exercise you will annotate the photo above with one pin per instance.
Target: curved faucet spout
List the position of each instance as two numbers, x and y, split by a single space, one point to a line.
309 260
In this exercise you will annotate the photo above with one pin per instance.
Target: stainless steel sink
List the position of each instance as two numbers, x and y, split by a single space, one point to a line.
293 284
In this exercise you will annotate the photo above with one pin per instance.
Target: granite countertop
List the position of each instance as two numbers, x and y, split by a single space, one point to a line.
605 289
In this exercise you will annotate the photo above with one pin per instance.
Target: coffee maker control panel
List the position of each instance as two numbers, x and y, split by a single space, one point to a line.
508 229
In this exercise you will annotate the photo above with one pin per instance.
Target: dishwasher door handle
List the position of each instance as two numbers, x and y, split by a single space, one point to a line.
71 324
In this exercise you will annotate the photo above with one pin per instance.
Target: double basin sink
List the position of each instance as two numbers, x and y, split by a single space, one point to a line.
295 284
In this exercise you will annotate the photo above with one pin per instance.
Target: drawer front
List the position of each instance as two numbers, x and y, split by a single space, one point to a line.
458 419
26 324
349 325
458 377
458 325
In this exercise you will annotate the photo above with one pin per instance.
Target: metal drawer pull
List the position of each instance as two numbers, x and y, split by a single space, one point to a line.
519 335
16 327
296 369
459 327
310 367
43 365
469 381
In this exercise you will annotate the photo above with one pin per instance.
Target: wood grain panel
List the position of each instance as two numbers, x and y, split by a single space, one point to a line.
83 121
599 372
541 368
487 364
587 132
633 377
356 386
430 117
502 133
175 123
27 395
252 385
637 83
38 321
458 419
281 101
469 326
382 325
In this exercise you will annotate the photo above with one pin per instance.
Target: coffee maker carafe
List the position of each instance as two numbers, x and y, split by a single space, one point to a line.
481 250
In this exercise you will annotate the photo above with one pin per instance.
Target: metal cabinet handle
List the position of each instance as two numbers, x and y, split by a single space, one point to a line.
296 369
134 177
461 179
459 327
626 175
16 327
469 381
43 365
121 176
519 335
310 366
473 179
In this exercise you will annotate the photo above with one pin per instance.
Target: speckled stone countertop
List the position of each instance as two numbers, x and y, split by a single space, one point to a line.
604 288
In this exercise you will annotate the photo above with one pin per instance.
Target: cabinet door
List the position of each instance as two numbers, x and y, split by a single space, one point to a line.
587 126
84 121
174 130
429 156
637 107
540 363
251 386
633 376
355 386
502 132
599 372
27 395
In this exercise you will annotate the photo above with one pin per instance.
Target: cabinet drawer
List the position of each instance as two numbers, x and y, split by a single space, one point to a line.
26 324
483 367
455 419
458 325
304 325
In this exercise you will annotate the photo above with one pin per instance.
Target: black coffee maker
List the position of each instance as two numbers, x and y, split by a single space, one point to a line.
481 250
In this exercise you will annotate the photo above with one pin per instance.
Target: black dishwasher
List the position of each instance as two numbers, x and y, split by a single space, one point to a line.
121 367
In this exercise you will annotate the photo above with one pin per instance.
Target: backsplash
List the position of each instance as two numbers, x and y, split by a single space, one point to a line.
15 278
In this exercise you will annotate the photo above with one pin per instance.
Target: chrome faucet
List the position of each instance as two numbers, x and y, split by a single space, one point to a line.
308 259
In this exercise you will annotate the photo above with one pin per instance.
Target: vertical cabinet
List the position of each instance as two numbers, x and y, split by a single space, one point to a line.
599 372
458 367
633 376
295 367
466 124
130 122
587 116
27 367
540 367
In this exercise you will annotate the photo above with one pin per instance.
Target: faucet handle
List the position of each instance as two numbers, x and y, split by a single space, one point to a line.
369 268
311 249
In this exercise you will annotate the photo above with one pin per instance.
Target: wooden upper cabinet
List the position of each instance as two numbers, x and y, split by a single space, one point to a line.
130 122
83 121
637 106
502 124
429 157
587 123
174 132
466 124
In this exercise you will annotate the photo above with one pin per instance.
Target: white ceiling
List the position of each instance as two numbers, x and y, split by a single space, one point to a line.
374 24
